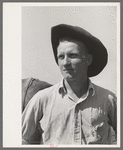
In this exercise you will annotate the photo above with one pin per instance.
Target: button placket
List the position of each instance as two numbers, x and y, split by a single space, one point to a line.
77 126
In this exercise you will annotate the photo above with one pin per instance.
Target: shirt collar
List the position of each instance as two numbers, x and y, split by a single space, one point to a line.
62 89
91 87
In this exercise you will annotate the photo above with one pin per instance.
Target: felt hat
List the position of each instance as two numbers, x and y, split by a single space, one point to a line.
94 45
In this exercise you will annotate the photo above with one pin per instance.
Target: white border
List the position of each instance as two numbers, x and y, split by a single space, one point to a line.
12 73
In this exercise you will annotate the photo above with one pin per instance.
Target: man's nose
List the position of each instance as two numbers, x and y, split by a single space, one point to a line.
66 61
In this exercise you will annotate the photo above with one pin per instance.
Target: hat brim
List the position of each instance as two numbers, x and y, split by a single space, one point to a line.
94 45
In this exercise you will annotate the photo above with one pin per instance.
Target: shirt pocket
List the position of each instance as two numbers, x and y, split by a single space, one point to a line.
99 127
96 135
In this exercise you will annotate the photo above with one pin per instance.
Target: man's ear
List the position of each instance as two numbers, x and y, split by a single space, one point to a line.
89 59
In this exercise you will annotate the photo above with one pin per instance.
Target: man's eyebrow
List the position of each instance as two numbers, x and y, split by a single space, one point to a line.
75 53
59 55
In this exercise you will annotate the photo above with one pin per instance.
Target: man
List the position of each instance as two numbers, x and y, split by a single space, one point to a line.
74 111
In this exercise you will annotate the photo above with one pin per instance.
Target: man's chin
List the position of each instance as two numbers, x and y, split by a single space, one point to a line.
69 78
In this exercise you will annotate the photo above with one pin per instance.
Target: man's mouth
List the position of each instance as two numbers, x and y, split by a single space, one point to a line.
67 69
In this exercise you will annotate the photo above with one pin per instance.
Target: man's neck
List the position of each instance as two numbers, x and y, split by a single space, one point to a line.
78 87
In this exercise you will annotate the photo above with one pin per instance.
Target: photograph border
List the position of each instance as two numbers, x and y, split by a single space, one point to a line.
1 81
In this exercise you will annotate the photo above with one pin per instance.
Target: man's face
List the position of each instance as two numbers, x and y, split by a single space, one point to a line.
73 60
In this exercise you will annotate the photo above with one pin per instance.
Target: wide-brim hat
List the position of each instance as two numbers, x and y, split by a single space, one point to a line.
94 45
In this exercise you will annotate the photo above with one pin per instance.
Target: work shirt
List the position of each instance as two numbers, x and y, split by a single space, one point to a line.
65 121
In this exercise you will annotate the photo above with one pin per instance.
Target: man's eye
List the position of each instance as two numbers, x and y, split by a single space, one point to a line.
60 57
73 56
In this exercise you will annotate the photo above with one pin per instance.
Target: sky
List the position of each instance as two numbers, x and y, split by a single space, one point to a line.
37 55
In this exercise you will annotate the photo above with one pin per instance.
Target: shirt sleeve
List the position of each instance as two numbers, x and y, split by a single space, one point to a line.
31 117
112 112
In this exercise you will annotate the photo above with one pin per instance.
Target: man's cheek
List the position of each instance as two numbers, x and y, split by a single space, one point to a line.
78 61
82 61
